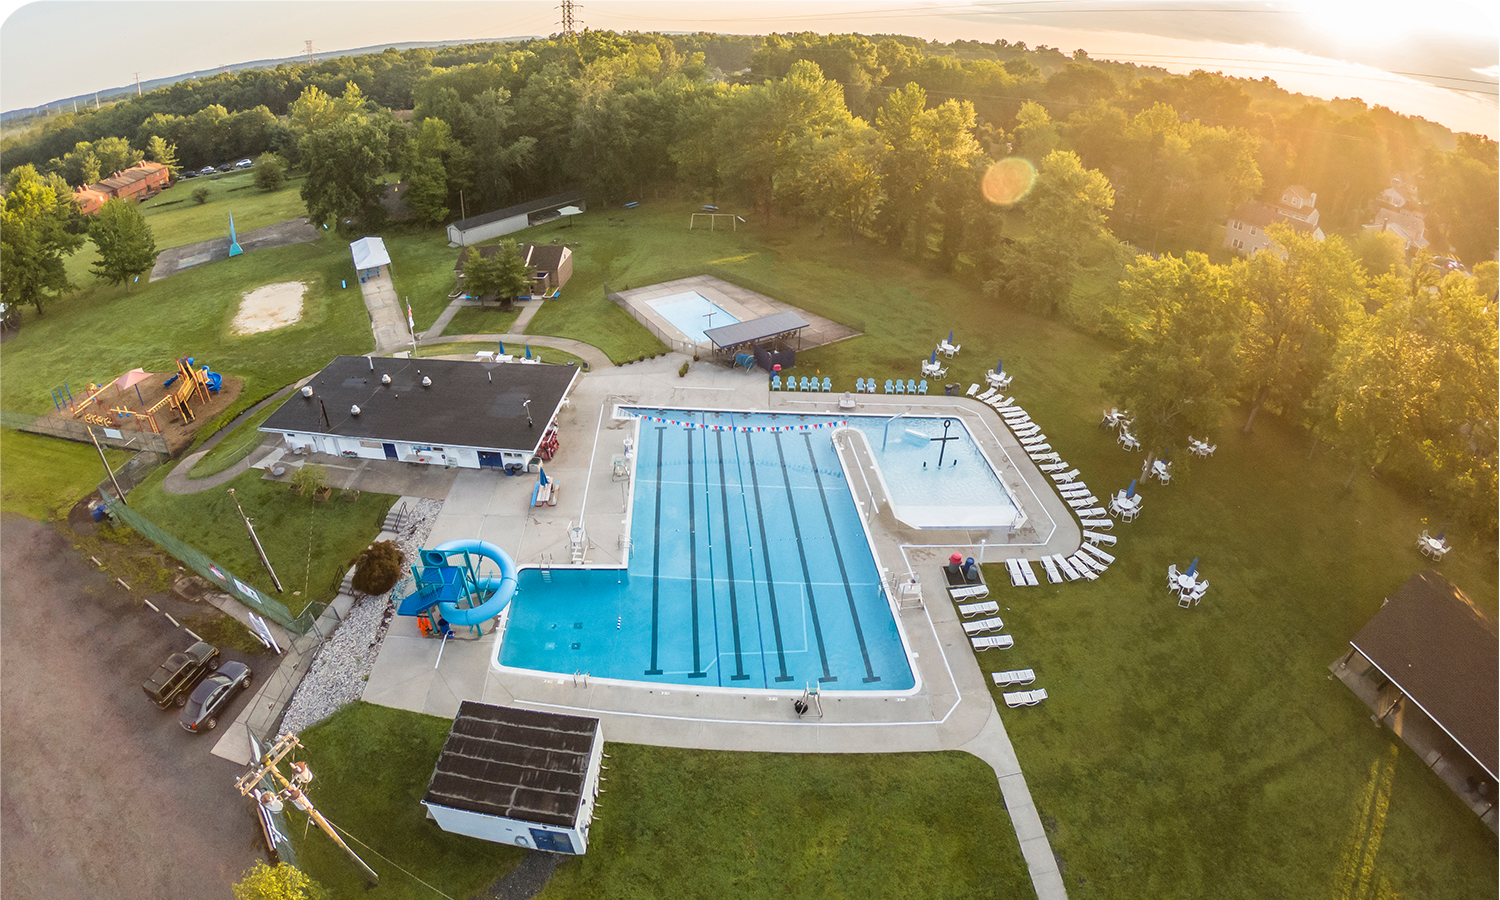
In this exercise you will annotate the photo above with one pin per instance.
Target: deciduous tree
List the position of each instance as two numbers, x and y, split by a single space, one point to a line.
345 163
126 246
162 152
34 238
270 171
281 882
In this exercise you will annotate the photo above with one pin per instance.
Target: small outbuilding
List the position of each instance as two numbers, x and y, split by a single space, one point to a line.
479 228
518 776
370 256
1426 664
432 411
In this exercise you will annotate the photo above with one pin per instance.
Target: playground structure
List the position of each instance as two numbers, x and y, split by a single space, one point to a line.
194 387
448 588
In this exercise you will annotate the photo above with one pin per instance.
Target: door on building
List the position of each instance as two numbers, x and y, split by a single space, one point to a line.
390 450
551 840
488 460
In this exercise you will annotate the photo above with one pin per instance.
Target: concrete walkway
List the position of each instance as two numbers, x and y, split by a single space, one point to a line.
387 316
528 312
177 480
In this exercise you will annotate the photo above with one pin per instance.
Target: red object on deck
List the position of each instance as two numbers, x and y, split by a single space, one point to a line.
956 559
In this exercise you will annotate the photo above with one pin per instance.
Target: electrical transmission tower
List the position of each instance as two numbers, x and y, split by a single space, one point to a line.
309 52
569 27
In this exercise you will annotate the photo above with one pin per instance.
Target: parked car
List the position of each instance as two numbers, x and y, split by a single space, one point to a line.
211 697
176 678
226 168
244 164
207 170
189 173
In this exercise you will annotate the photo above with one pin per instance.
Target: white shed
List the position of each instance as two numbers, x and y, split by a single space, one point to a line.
518 776
513 218
369 256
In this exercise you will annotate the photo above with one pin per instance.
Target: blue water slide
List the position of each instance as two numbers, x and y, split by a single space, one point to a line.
440 574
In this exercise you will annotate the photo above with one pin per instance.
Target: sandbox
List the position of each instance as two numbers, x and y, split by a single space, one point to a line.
269 307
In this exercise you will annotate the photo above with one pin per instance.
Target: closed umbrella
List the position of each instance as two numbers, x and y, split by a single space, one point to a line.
999 363
1130 491
1443 532
502 348
543 473
933 357
528 351
1192 569
950 335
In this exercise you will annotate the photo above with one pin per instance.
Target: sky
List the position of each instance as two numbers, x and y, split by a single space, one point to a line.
1439 59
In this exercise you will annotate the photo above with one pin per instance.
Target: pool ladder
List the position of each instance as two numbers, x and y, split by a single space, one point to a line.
579 675
546 568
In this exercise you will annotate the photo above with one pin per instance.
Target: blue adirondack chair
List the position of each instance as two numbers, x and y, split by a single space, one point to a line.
775 382
900 386
888 388
871 383
922 388
911 385
791 382
827 383
802 385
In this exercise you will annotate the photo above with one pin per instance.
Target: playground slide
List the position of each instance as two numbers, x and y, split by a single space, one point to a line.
503 587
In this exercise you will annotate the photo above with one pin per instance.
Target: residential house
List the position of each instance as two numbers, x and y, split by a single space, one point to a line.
1405 224
142 180
1246 229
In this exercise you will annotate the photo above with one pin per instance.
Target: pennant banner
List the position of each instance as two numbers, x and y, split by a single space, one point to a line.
705 426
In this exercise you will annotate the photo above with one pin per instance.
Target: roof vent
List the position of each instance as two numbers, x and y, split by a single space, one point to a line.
385 379
354 410
426 382
307 391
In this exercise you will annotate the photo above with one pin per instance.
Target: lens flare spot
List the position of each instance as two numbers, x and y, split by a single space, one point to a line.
1008 181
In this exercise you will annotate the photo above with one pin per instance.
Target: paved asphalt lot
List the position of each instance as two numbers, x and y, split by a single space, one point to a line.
101 793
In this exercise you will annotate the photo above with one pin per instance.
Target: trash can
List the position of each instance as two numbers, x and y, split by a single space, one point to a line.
948 389
98 513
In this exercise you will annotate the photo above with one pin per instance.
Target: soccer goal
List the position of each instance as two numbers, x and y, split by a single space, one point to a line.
713 220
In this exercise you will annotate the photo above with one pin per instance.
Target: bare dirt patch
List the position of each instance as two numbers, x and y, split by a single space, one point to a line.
269 307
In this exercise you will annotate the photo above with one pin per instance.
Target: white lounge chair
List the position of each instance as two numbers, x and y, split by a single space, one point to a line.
1035 440
1098 554
1025 698
1066 567
1053 575
1028 572
1072 490
984 396
969 592
1035 447
1097 539
1014 676
1091 512
993 642
1081 502
983 625
1016 578
973 389
1065 477
1083 570
1025 431
1015 412
969 610
1044 457
1088 561
1097 523
1053 467
1006 402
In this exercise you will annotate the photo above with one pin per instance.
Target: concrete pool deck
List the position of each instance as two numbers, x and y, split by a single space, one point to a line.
742 303
953 708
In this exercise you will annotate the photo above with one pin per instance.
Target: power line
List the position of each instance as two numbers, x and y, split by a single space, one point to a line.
567 18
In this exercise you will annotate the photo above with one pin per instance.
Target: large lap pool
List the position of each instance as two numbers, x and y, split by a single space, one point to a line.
749 570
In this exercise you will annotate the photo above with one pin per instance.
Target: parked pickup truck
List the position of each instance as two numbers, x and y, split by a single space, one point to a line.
177 677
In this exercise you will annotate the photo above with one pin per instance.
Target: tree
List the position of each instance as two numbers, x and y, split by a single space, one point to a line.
425 175
34 238
1301 295
270 171
1180 363
282 882
481 278
310 479
162 152
200 195
512 275
1036 134
378 568
126 245
345 165
115 155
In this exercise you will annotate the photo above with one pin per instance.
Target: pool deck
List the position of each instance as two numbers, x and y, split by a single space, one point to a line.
953 707
742 303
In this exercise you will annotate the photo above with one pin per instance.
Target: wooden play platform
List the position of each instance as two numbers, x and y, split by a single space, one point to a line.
173 405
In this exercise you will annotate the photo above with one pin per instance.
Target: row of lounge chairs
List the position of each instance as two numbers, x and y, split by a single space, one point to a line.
808 384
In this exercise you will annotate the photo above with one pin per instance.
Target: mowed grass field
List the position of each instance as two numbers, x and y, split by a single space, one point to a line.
673 822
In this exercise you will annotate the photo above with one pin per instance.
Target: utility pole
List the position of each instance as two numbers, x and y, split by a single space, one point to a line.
568 25
253 539
301 775
111 472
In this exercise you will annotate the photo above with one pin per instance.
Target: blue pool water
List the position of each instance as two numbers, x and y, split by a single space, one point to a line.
689 314
935 483
749 570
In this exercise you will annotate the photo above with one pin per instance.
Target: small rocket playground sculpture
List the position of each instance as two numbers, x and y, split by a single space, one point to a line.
234 244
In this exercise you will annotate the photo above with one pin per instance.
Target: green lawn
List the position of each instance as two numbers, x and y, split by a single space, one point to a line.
310 544
99 334
483 320
42 477
235 446
690 823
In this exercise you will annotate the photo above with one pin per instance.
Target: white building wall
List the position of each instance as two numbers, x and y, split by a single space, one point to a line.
499 829
356 448
485 232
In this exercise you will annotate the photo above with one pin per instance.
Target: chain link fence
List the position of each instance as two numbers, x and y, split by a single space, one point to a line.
73 430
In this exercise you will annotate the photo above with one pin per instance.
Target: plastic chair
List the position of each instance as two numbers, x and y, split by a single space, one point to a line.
775 382
827 383
900 386
888 389
911 385
859 385
922 388
802 385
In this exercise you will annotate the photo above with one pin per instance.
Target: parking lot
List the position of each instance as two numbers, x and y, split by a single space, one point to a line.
104 795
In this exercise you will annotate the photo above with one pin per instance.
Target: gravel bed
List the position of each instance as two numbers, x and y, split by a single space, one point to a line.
338 674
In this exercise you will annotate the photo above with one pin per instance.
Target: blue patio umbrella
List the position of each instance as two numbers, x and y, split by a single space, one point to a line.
543 473
999 366
1130 491
502 348
1192 569
1441 534
528 351
950 335
933 357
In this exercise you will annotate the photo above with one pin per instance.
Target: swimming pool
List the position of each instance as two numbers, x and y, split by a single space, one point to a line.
935 473
691 313
749 570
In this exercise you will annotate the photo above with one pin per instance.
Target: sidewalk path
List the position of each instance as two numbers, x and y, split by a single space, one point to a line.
387 318
177 480
528 312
